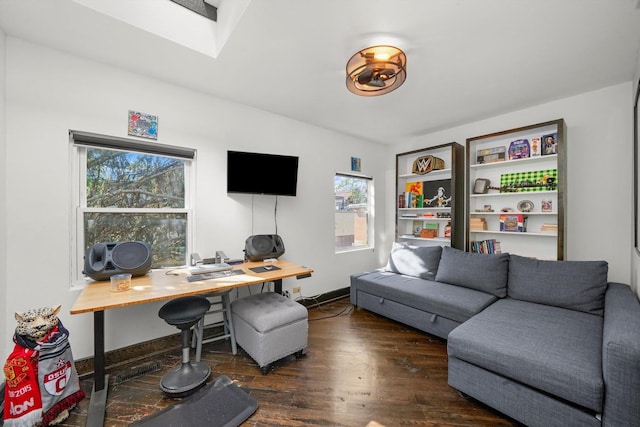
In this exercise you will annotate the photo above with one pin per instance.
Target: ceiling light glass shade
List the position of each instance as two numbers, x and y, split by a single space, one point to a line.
376 70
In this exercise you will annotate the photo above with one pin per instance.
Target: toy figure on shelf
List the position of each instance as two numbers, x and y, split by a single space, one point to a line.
42 384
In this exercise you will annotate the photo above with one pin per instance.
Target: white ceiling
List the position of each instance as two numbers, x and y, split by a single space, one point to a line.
467 59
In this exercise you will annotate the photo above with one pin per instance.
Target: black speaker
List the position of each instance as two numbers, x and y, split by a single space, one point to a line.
262 246
103 260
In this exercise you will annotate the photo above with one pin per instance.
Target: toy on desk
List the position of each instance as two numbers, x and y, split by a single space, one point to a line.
42 384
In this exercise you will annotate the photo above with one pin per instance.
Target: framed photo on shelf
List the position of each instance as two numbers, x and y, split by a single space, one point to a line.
436 194
549 144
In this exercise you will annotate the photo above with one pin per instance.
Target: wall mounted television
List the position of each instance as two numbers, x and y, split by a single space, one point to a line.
259 173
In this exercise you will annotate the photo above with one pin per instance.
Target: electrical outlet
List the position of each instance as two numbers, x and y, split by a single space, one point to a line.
287 294
296 289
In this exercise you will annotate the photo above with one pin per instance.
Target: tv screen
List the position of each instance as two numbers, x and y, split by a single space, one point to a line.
257 173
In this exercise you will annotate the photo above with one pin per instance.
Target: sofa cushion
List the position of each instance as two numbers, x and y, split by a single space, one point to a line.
577 285
552 349
453 302
417 261
483 272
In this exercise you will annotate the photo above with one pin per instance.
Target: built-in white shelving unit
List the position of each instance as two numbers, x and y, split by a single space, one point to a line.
529 187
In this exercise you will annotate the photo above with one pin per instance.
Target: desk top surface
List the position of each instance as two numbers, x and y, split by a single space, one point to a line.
165 284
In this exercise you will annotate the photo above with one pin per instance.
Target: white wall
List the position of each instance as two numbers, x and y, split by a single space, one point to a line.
635 256
599 169
3 213
49 92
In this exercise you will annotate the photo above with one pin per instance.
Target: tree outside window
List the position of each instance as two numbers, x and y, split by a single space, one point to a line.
352 212
135 196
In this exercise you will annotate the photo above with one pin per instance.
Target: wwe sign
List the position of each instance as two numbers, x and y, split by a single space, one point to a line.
425 164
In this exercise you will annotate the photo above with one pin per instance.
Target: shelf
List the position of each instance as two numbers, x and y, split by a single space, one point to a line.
511 213
515 233
537 159
424 218
522 193
435 239
424 209
547 244
434 173
450 178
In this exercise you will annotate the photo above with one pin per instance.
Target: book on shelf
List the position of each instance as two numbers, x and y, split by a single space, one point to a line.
490 246
417 228
413 194
549 228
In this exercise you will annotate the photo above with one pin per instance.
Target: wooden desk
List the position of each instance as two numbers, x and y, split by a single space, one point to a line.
97 297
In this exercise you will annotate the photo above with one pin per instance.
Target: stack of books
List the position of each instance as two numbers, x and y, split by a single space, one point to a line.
491 246
477 224
549 228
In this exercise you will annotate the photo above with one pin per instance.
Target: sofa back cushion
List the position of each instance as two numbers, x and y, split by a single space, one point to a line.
417 261
483 272
576 285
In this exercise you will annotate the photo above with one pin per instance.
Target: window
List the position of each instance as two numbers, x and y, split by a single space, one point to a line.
131 190
353 204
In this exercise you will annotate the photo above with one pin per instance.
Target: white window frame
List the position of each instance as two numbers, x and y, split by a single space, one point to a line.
370 211
78 156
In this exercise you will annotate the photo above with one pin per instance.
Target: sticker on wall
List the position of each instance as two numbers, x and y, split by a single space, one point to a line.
356 164
143 125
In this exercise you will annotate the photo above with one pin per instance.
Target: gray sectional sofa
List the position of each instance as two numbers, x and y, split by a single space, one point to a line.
548 343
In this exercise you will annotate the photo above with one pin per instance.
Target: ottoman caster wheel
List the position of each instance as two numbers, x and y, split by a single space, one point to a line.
299 354
265 369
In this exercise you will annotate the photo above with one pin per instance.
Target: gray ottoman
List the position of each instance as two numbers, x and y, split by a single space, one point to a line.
269 327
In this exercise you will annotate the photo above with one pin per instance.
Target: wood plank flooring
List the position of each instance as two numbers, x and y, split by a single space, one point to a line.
361 369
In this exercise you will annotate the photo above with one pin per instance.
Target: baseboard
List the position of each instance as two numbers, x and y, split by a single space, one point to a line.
149 350
133 354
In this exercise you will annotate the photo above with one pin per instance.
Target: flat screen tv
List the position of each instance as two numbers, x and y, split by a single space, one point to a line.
258 173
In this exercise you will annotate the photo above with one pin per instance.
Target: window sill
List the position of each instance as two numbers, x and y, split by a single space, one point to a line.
354 249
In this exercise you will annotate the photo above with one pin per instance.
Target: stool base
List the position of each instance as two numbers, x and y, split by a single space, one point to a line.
185 379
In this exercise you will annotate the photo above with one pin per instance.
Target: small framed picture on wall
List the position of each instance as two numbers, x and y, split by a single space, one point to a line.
356 164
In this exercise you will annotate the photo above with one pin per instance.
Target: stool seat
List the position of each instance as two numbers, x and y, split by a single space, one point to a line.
270 327
183 313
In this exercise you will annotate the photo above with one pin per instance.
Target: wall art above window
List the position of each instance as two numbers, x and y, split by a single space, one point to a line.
143 125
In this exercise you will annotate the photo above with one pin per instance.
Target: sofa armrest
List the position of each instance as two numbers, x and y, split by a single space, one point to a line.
353 297
621 357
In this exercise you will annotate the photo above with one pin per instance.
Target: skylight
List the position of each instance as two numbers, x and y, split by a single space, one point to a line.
176 21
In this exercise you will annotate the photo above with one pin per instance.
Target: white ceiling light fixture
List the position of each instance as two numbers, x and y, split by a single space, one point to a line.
376 70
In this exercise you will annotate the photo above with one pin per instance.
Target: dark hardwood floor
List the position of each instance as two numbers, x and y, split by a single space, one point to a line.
360 369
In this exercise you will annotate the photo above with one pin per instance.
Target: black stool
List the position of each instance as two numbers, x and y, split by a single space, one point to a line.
183 313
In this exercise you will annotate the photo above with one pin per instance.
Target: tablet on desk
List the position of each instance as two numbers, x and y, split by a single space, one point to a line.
265 269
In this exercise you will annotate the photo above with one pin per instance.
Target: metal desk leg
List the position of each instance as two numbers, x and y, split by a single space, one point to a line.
277 286
98 402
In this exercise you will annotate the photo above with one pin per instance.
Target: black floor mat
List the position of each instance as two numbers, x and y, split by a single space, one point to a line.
219 403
